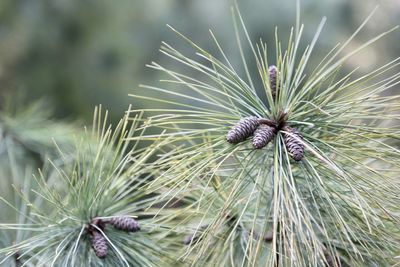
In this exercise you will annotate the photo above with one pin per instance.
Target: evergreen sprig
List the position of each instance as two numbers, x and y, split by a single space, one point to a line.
103 181
334 207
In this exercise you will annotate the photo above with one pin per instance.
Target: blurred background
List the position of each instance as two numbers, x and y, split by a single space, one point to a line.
80 53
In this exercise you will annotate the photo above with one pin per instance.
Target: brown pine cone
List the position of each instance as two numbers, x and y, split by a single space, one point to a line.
293 143
99 244
125 223
273 73
243 129
262 136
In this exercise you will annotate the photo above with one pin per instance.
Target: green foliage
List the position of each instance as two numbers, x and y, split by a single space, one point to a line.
82 53
102 179
339 202
199 200
27 136
37 133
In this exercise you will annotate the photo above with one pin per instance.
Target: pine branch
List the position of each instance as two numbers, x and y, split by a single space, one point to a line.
103 184
325 186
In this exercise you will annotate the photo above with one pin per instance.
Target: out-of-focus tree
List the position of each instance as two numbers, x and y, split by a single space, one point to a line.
82 53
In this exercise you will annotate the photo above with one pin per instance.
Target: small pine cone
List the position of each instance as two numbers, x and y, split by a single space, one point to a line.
125 223
262 136
293 145
243 129
99 244
273 73
268 237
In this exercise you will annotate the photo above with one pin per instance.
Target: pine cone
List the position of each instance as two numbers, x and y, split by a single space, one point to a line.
293 145
243 129
99 244
273 73
268 237
125 223
262 136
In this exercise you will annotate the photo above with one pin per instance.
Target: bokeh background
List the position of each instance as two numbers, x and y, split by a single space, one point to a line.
80 53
